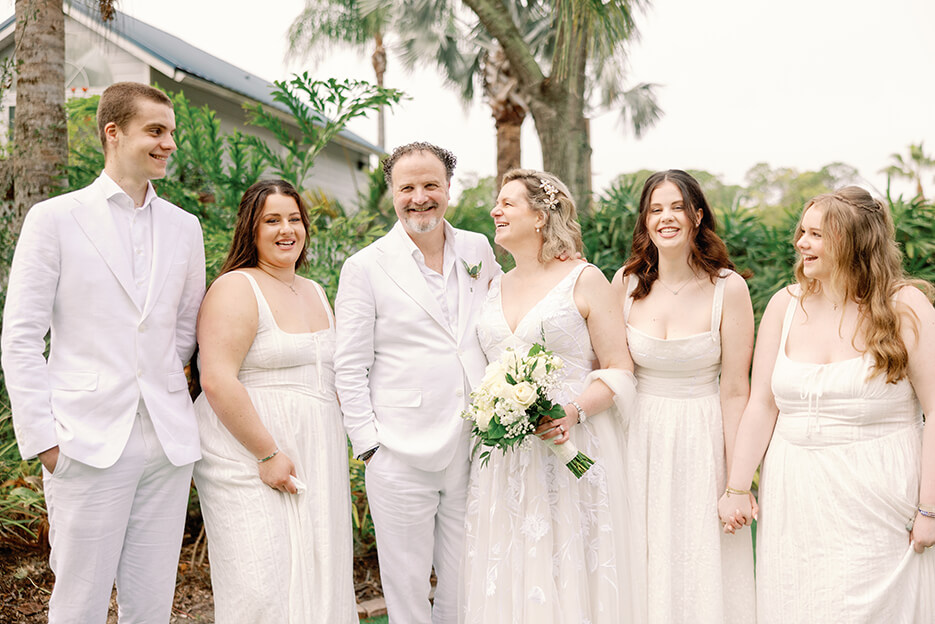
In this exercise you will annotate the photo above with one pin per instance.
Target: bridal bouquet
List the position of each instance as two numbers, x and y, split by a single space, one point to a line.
513 398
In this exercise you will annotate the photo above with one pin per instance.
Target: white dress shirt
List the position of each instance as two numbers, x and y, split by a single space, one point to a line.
135 226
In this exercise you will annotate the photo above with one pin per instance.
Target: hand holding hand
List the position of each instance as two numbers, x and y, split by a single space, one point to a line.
737 510
275 473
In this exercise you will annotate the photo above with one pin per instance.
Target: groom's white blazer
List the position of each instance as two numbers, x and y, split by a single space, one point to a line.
71 274
401 371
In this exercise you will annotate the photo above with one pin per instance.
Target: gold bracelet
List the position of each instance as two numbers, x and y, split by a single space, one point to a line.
729 490
928 508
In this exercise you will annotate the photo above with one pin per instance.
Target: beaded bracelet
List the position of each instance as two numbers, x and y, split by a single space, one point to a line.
928 508
582 415
729 490
927 514
268 457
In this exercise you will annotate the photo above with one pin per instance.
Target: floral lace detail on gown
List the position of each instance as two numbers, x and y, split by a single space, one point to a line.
543 547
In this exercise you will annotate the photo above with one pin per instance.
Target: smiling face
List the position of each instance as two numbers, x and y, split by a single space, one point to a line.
280 233
420 191
810 245
140 151
669 220
514 219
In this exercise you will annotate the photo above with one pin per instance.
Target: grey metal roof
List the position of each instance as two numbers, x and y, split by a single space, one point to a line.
183 56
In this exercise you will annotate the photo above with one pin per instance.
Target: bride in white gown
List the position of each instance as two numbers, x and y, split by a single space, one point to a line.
542 546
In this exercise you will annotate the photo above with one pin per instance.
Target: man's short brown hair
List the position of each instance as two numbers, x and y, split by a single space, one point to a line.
118 104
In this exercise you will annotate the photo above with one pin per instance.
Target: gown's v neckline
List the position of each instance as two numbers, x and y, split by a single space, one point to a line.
534 306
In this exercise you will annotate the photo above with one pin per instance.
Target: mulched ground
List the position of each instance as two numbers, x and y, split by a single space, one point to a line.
26 584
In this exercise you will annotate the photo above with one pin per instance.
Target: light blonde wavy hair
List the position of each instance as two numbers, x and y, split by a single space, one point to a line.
866 267
561 233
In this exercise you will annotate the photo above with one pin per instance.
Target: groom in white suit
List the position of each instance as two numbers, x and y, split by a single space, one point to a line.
117 274
407 358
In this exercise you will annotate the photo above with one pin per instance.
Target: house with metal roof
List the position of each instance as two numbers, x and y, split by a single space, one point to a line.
97 55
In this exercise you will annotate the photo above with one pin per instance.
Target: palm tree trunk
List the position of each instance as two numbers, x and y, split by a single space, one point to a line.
378 60
509 149
40 131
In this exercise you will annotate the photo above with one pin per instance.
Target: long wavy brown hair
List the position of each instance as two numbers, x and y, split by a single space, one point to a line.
866 267
243 252
708 252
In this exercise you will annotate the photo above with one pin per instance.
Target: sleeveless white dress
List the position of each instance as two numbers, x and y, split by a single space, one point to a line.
276 557
839 482
685 568
541 546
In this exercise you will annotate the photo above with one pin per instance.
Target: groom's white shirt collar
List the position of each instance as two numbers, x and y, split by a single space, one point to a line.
444 286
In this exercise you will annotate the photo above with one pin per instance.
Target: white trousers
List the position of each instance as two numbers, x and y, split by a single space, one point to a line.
418 518
123 523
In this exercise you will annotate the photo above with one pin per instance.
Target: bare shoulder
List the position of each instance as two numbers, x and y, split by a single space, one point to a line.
593 276
913 297
231 290
735 288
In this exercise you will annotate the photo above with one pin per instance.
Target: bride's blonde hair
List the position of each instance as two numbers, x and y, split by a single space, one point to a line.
561 233
866 267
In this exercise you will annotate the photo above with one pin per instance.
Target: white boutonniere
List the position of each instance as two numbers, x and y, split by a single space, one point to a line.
473 270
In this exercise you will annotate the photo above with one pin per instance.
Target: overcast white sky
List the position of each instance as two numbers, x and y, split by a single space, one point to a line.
798 83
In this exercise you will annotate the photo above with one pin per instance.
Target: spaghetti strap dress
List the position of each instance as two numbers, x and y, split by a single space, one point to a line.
839 482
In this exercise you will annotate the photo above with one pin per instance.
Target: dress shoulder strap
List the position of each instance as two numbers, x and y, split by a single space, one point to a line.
790 312
324 302
263 308
632 281
717 308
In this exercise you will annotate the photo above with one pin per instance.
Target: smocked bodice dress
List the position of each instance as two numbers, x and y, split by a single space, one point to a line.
839 482
277 557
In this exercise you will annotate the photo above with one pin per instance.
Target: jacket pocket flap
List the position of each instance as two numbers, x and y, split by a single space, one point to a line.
74 380
176 382
397 398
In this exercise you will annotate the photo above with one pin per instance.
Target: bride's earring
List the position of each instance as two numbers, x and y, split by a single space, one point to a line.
537 230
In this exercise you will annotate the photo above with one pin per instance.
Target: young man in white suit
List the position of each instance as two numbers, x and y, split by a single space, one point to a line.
407 357
118 275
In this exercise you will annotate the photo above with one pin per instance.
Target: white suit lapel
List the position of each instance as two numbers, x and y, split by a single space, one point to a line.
165 235
94 218
401 267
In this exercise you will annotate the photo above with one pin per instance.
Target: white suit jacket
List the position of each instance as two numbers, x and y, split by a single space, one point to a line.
401 372
71 273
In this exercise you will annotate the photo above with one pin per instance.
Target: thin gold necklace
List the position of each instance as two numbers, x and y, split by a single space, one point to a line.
680 287
289 286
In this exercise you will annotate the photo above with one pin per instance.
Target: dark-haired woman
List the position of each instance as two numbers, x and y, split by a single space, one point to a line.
690 332
844 369
273 479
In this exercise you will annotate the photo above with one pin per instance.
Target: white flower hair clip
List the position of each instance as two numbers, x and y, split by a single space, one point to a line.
551 191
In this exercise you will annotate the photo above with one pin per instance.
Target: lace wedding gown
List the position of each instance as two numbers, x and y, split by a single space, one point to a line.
685 568
840 481
280 558
541 546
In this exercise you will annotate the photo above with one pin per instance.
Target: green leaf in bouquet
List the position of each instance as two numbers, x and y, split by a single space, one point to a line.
510 379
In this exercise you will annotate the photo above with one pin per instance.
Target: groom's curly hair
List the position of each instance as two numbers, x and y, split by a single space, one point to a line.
447 159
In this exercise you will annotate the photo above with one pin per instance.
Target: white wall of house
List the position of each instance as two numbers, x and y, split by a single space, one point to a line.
93 63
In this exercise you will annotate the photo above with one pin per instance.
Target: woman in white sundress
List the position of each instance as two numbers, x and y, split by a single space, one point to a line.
543 547
273 481
844 360
690 330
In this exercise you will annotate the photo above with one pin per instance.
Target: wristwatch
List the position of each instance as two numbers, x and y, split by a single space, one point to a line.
367 454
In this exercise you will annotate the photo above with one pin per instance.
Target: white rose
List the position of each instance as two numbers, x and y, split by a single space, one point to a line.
482 418
540 371
524 394
493 371
500 389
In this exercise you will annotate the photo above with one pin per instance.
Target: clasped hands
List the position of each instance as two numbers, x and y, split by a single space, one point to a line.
737 510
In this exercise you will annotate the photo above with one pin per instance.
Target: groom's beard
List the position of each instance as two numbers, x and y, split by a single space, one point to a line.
419 224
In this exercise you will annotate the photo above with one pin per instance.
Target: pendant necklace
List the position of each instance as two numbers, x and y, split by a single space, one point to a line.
289 286
680 286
